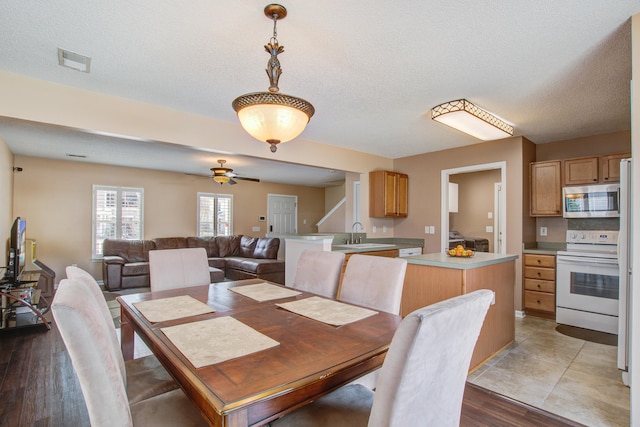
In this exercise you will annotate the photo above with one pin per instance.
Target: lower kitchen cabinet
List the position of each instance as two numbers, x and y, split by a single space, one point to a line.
540 285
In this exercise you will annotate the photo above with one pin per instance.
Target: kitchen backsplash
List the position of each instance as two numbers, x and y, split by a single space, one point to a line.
557 226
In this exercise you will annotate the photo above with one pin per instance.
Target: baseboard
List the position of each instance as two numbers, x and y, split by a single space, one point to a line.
520 314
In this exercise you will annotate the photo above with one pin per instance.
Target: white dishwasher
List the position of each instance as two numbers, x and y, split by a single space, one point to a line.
409 251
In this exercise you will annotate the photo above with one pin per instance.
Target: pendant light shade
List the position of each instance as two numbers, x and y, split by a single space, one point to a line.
273 117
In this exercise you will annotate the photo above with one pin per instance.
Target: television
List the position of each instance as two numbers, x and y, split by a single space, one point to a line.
17 252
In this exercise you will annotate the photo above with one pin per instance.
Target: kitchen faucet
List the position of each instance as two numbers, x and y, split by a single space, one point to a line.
352 241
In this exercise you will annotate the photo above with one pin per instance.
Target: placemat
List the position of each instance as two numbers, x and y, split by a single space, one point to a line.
161 310
327 311
264 291
215 340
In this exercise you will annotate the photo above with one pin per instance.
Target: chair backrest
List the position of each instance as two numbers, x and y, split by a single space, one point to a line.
374 282
178 268
319 272
80 275
423 376
87 338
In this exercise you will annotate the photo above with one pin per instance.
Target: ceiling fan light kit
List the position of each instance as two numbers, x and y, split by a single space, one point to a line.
273 117
471 119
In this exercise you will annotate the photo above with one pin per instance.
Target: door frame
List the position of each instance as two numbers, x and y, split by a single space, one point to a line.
502 203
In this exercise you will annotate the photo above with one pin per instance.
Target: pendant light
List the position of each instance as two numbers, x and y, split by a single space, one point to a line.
271 116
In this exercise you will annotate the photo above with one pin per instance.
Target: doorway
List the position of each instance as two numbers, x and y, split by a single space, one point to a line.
491 216
282 211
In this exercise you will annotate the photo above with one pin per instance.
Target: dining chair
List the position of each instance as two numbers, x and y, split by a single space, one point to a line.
374 282
319 272
103 381
178 268
145 376
422 378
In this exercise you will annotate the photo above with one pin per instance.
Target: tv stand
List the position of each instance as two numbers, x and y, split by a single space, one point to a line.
23 307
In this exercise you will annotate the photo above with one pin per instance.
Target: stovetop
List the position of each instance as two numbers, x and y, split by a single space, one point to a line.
592 243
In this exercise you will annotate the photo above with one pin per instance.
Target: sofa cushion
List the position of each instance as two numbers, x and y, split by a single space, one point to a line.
170 243
129 250
228 245
247 246
266 248
135 269
208 243
255 266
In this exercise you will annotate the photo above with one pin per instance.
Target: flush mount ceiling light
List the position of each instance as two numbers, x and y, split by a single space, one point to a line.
73 60
271 116
471 119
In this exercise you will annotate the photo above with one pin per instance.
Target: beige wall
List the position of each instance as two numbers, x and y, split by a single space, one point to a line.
6 196
618 142
333 195
475 201
424 192
55 198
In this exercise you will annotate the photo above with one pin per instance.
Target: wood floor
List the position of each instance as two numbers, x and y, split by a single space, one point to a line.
38 387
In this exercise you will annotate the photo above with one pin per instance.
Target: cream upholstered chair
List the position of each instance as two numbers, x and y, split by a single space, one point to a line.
178 268
319 272
374 282
145 376
100 369
422 378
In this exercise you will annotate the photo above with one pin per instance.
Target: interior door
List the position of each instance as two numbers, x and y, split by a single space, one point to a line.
283 214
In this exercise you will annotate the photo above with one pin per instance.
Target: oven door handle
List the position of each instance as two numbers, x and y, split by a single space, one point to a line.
564 259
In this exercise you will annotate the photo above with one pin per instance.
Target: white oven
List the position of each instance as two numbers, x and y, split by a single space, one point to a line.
587 281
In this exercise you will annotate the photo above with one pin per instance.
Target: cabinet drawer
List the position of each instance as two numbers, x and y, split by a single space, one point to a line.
540 273
540 301
540 260
540 285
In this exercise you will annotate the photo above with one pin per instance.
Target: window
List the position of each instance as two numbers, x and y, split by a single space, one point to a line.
215 214
117 214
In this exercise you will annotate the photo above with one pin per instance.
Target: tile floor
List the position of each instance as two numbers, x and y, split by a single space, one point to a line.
570 377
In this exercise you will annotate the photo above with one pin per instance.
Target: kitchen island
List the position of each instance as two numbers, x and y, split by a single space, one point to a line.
435 277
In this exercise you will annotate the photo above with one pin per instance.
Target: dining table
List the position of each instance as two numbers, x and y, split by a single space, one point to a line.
301 358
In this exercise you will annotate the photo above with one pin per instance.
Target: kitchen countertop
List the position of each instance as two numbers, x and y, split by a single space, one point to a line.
479 259
386 247
543 248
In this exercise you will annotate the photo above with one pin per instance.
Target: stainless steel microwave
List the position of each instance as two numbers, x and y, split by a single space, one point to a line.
591 201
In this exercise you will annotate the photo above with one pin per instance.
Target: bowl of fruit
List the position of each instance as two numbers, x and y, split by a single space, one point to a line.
460 252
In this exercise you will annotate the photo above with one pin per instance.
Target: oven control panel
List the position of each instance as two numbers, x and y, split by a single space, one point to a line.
602 237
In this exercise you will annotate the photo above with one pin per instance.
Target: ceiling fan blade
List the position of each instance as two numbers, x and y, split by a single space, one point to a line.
232 182
247 179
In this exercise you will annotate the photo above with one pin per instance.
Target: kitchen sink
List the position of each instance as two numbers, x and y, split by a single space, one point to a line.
366 246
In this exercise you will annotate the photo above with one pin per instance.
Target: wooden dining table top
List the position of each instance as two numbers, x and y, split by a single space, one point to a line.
312 358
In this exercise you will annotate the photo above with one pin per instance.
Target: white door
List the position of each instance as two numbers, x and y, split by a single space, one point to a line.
283 214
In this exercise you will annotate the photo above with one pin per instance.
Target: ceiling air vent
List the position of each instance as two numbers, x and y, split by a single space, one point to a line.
73 60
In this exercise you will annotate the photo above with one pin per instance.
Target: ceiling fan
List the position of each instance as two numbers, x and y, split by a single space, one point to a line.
223 175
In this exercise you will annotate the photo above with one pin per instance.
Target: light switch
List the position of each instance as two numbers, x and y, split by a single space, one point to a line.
489 229
489 215
255 229
374 229
432 229
426 229
384 228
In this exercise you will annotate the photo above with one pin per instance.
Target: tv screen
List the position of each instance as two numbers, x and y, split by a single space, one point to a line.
17 251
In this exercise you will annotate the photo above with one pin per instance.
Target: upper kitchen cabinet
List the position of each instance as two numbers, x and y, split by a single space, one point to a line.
610 167
546 188
593 170
581 171
388 194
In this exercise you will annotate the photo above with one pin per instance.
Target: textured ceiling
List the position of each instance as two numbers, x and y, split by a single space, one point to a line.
553 69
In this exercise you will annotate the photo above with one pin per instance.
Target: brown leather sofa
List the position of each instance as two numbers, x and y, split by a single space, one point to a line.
126 262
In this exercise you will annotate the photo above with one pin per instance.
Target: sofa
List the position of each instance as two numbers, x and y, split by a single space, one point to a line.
126 262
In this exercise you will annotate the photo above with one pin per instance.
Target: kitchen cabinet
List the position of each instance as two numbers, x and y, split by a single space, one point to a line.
581 171
546 188
540 285
610 167
593 170
388 194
